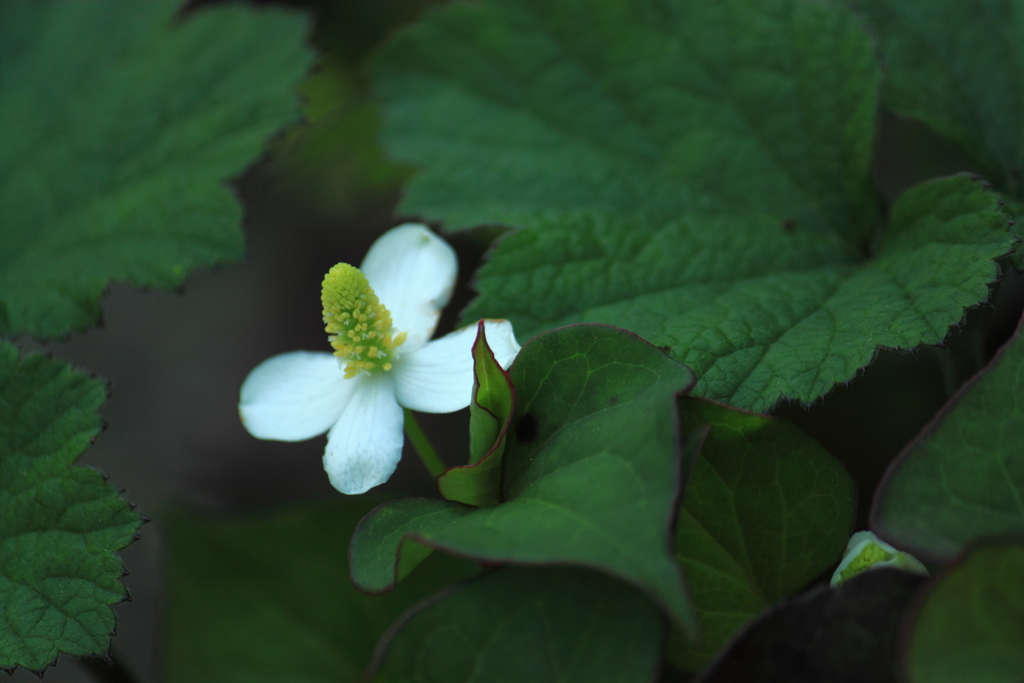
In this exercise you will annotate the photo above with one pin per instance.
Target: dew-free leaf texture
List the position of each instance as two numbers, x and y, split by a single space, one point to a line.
970 624
767 509
60 524
122 123
538 625
957 65
591 473
519 108
963 476
266 597
756 312
697 172
843 635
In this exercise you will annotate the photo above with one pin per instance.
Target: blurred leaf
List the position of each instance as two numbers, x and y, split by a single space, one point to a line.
538 625
334 158
266 597
956 65
490 415
123 124
963 477
591 473
840 635
765 512
61 524
970 624
758 313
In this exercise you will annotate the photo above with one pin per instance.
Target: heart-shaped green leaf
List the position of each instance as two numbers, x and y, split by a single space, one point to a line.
767 510
60 525
591 473
265 598
122 124
539 625
490 414
963 477
969 626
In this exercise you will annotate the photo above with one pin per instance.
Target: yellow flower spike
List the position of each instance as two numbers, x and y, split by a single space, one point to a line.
358 325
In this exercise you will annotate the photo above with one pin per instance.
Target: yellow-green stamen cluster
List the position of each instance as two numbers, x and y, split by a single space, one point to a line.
358 325
869 556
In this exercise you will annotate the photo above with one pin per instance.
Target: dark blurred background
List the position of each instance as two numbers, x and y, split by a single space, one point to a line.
322 194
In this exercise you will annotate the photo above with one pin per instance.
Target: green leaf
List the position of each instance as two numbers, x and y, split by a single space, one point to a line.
963 477
767 510
490 415
758 313
956 65
61 524
266 597
697 172
591 473
518 110
124 122
538 625
847 634
970 624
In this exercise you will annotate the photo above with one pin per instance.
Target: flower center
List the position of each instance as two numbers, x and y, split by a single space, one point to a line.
358 325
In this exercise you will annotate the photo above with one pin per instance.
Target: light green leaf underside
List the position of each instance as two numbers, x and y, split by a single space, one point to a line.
970 624
265 598
758 313
517 110
60 525
536 625
963 477
766 510
591 474
122 125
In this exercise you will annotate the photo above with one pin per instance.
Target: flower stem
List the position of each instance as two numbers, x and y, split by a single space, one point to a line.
422 445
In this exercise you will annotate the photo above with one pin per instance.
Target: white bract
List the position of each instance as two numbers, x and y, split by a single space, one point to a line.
379 318
866 551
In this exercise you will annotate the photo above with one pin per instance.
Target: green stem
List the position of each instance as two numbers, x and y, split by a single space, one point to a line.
422 445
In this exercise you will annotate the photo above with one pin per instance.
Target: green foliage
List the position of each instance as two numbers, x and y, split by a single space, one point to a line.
490 415
695 172
591 473
266 597
844 635
538 625
963 477
970 624
758 314
956 66
61 524
766 511
128 123
657 106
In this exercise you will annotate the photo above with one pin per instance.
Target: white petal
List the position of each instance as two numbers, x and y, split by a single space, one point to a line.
294 396
365 445
438 378
412 271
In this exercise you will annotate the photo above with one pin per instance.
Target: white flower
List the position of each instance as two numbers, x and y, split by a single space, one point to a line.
379 327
